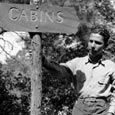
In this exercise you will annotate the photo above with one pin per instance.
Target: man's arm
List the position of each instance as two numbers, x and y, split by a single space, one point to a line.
56 69
112 102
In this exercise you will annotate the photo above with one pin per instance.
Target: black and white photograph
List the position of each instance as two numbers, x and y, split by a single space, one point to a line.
57 57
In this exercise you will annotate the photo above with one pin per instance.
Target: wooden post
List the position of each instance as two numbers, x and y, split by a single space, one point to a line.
36 78
35 2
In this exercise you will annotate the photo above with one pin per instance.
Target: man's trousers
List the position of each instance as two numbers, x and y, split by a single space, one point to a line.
90 106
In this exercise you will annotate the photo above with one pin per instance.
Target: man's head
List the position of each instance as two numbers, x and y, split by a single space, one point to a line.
98 41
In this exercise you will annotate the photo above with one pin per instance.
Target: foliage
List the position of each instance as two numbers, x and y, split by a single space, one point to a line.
58 95
15 94
15 86
106 10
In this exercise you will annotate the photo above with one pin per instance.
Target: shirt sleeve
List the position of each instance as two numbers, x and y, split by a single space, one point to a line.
112 102
72 64
55 69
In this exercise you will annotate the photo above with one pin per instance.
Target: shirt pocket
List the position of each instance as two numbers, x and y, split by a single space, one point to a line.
104 81
103 84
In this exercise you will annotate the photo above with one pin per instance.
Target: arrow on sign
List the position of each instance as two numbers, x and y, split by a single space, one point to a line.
44 18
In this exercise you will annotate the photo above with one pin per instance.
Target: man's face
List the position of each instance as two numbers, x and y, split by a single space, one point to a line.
95 44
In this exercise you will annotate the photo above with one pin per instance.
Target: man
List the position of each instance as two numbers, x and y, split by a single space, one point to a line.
92 75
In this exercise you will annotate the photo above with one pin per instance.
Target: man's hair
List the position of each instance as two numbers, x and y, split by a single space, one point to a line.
103 32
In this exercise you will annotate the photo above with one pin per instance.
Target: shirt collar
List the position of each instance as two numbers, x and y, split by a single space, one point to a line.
88 60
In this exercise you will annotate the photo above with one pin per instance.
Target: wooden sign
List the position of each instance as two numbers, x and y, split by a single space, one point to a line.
44 18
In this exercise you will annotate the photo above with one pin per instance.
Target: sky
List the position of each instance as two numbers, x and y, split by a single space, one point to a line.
10 44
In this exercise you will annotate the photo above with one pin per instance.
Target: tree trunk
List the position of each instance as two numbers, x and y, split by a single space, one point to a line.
36 85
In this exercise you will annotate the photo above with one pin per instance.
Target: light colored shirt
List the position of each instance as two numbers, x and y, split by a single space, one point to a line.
98 79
